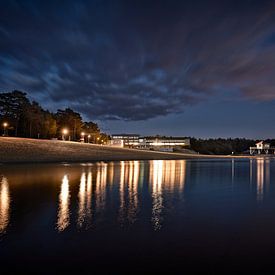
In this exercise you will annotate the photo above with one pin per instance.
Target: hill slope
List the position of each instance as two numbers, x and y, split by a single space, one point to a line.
16 150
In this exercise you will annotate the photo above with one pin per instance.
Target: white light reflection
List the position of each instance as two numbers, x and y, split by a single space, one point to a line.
64 200
260 178
156 176
85 200
267 174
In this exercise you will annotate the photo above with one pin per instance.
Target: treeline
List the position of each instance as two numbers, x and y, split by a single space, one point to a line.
25 118
221 146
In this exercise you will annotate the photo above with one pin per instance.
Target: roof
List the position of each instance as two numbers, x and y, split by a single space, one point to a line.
126 135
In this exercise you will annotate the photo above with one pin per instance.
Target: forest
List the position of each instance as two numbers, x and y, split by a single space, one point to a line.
224 146
20 117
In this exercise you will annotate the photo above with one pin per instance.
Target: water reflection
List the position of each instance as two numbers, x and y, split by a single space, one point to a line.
128 191
261 174
123 190
133 190
64 200
100 191
85 197
4 205
167 175
156 178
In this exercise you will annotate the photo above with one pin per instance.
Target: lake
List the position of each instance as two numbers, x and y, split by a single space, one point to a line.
138 216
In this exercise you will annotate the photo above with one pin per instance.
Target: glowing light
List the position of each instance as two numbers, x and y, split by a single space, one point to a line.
65 131
101 180
82 134
81 198
156 176
260 179
133 190
63 211
85 200
5 124
4 205
121 191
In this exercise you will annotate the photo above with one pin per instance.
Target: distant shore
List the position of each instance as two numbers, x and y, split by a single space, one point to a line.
23 150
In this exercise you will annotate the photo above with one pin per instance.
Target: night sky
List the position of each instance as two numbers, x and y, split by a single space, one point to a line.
186 68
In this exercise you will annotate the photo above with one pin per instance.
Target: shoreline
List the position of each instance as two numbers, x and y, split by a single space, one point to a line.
29 151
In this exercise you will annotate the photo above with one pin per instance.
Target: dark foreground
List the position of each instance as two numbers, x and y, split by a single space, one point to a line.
182 216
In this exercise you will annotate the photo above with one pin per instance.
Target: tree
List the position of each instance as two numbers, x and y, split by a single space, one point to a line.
12 107
69 119
29 119
34 118
92 129
104 138
50 125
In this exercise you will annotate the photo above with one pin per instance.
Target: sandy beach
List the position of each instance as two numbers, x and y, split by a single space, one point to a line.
23 150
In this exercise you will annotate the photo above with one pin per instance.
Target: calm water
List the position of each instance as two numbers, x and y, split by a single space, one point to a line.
138 216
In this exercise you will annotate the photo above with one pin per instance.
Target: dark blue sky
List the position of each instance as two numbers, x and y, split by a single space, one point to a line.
196 68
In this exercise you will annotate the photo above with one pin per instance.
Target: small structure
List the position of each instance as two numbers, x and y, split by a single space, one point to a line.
262 148
116 142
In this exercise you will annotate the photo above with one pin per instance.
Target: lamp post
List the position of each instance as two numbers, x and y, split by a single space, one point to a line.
82 137
97 139
64 133
5 125
89 136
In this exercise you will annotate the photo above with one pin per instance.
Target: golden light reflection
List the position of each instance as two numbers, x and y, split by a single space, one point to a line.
89 196
81 200
129 179
133 190
85 199
181 174
167 175
100 191
4 205
172 174
110 176
64 201
121 192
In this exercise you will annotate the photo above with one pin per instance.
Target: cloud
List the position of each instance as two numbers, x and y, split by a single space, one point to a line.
137 60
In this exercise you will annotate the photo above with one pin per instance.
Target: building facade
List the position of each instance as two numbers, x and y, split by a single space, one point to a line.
126 140
157 143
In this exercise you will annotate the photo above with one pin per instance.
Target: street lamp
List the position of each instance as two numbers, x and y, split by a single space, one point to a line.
97 139
89 136
82 137
64 133
5 125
